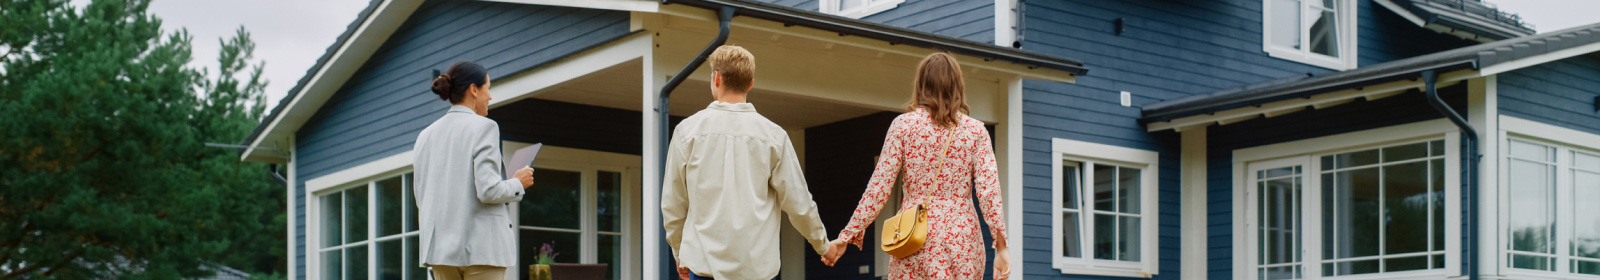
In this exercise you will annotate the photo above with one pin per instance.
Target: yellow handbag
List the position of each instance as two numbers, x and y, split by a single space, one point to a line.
904 233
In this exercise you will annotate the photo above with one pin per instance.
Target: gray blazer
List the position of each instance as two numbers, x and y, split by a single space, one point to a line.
464 199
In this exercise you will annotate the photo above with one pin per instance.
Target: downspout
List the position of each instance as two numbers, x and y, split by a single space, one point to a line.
1470 170
724 23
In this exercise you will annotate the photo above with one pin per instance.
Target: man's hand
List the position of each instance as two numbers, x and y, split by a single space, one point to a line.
524 175
683 272
835 250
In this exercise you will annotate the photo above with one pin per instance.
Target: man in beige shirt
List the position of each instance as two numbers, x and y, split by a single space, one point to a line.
729 173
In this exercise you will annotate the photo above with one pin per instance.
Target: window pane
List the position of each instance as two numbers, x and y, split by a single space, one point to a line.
1436 168
1531 262
414 270
1128 190
1278 172
355 266
389 193
1330 210
1285 21
355 214
1405 200
332 209
1354 159
1404 264
1530 151
1436 148
1105 193
1586 161
1280 214
1355 217
565 245
1324 33
609 190
1531 191
1405 152
389 264
1070 246
1349 268
1105 237
851 4
1281 272
553 200
1586 227
332 265
411 204
1069 181
1128 242
1586 267
610 253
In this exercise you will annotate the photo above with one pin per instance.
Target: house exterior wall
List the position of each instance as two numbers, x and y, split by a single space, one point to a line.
1560 93
968 19
1168 49
382 107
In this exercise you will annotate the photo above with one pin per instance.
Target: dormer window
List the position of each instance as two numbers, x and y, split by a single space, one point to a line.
858 8
1316 32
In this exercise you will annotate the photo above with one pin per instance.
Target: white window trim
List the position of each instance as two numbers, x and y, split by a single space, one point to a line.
1244 246
1563 139
549 157
871 8
1348 26
314 248
1149 162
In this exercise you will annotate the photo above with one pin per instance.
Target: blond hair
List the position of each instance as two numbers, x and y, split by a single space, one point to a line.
736 65
940 89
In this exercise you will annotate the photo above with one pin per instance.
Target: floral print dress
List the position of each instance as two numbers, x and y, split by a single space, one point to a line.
954 248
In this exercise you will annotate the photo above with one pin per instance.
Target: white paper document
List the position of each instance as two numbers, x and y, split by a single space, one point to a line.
522 158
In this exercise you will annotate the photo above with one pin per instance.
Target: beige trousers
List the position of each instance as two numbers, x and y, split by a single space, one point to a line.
476 272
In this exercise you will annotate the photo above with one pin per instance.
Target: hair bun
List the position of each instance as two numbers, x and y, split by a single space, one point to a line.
441 87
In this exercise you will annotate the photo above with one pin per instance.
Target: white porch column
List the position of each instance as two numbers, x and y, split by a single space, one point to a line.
289 191
1193 203
1483 113
650 155
1010 134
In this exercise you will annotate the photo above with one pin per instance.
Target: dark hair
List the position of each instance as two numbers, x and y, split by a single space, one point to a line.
453 85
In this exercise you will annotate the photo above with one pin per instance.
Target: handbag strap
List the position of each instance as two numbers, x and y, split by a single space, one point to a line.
943 154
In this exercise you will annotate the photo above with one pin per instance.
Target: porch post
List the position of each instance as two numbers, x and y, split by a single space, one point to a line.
650 157
1193 202
1483 113
1010 134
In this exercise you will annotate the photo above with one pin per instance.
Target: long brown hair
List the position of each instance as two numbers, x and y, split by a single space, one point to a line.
940 89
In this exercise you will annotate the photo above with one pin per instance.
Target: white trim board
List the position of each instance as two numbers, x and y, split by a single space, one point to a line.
1542 131
345 62
1376 136
366 171
619 5
1540 59
529 84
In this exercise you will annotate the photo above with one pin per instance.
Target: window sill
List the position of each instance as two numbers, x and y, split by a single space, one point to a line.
1103 271
1317 60
875 8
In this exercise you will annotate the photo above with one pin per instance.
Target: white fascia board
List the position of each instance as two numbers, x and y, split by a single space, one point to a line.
619 5
1320 101
1540 59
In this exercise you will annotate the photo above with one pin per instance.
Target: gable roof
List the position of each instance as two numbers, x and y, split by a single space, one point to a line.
1488 59
381 17
1470 19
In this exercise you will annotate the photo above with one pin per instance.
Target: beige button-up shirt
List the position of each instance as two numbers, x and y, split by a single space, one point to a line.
729 172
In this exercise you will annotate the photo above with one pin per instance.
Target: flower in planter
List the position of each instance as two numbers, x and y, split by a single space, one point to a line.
547 254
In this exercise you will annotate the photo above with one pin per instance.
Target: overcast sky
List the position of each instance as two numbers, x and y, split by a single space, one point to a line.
291 34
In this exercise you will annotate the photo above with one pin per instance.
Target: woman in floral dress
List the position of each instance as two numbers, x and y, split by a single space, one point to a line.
936 127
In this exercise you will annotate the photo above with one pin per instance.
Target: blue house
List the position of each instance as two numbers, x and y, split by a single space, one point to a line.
1214 139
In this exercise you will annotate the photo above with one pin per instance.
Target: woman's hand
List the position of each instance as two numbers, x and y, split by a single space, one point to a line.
524 175
835 250
1002 264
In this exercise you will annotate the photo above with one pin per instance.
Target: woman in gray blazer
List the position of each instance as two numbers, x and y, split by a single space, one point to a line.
464 199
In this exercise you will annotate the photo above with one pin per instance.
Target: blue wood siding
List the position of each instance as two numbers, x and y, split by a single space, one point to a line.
1560 93
380 109
1350 117
1168 49
971 19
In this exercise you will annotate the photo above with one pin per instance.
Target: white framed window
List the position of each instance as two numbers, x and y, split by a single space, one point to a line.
1549 180
1316 32
857 8
1103 209
1363 205
585 202
369 230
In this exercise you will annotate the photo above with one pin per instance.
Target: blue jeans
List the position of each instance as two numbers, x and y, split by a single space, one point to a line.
693 276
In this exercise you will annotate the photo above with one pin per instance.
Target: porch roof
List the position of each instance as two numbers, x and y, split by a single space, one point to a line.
1487 59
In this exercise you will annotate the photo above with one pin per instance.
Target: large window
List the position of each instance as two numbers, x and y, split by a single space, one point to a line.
857 8
1103 209
1316 32
578 213
1378 209
369 231
1554 198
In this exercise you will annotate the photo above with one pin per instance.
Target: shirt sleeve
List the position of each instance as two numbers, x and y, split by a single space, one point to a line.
795 198
675 194
492 186
986 175
878 187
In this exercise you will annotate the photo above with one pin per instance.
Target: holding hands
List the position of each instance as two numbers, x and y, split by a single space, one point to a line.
835 250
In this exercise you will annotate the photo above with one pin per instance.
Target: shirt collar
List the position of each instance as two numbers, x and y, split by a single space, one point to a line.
461 109
735 107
